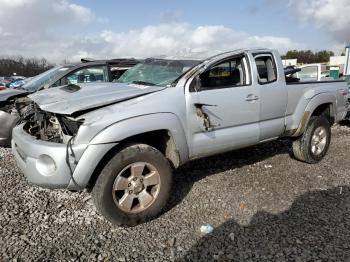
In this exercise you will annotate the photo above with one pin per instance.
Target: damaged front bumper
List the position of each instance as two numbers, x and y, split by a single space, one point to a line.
45 163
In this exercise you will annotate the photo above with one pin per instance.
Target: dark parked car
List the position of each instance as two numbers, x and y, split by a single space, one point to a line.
11 100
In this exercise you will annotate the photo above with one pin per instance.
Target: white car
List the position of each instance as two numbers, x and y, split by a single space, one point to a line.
314 72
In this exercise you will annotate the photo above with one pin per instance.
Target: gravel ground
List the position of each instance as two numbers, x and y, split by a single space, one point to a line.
263 205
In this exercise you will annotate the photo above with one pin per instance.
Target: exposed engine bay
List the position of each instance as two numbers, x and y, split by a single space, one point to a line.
49 126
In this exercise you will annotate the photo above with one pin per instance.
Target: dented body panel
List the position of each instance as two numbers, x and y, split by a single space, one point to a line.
11 93
200 122
63 101
58 76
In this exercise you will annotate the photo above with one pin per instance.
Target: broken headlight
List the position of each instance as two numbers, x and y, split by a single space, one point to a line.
70 126
51 127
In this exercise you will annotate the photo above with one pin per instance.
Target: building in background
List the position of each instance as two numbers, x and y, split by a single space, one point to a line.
338 62
289 62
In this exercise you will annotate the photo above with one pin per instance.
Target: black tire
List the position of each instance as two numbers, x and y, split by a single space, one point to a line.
102 191
302 147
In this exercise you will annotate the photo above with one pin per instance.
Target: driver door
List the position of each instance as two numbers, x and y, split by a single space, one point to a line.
223 113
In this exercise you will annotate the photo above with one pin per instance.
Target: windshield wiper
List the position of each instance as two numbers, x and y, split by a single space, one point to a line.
143 83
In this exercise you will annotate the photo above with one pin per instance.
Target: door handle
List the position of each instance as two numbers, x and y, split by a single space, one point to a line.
251 98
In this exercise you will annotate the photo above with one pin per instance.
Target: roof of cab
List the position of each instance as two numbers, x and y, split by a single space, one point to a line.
206 55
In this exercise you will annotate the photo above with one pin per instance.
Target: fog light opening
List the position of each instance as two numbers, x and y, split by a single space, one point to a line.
45 165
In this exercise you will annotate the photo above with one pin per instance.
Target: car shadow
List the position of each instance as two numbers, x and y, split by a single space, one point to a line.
315 228
345 123
187 175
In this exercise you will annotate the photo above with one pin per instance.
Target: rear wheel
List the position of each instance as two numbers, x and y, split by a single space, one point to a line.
313 145
134 186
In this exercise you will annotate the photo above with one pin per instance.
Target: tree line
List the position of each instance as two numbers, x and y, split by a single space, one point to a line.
32 66
309 57
21 66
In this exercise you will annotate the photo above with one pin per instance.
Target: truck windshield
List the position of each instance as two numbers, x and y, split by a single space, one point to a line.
44 78
157 72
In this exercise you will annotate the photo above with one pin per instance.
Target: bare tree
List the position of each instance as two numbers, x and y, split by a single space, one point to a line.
23 66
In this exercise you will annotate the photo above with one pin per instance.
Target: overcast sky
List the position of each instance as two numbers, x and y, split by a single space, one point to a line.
71 29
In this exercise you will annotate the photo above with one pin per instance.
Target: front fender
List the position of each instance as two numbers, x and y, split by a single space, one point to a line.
138 125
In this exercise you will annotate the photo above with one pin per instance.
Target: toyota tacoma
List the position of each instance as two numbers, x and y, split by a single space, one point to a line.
122 140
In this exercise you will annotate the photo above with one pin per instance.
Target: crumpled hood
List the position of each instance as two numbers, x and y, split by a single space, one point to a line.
67 101
9 93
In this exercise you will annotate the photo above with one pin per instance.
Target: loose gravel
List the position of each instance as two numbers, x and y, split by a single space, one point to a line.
262 204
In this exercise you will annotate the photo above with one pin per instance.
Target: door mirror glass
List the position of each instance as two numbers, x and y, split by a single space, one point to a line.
198 83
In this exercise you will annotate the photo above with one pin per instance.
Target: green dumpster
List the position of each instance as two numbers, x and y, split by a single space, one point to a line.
334 72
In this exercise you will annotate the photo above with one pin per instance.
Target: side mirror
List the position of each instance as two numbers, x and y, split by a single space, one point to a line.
197 83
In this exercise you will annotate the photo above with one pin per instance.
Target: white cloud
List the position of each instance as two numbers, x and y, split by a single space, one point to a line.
40 27
52 29
25 16
14 3
331 15
3 33
171 38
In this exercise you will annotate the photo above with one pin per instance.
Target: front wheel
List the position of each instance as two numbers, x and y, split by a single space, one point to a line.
313 145
134 186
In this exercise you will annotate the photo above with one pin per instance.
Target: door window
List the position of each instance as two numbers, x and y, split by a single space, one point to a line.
266 67
228 73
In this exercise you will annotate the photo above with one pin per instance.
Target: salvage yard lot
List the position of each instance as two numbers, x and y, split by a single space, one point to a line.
263 205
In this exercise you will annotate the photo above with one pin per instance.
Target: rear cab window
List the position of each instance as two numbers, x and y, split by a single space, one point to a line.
266 68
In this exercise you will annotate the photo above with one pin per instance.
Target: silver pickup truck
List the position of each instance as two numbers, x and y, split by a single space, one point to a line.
122 140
